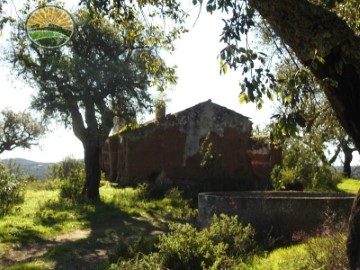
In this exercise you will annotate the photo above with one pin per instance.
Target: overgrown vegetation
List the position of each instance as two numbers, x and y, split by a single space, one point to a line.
325 251
10 190
224 244
44 213
71 172
221 245
302 168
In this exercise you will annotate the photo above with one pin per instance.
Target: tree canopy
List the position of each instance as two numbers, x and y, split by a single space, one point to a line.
18 130
324 37
3 19
105 71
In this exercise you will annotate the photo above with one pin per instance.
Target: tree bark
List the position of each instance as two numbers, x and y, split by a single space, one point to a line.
89 136
347 161
311 31
353 241
92 170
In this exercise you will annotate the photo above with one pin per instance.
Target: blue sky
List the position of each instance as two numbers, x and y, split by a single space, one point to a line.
199 80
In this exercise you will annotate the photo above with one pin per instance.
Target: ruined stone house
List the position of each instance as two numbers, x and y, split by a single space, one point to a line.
206 143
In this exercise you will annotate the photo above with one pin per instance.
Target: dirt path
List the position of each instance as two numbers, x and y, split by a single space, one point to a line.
80 249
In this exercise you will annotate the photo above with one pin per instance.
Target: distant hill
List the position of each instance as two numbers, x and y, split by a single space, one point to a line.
355 171
34 168
40 169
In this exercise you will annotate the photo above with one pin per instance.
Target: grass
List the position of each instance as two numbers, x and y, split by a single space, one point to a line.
288 258
36 265
43 216
349 185
326 252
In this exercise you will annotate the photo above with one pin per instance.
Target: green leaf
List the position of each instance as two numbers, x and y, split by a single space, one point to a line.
320 59
243 98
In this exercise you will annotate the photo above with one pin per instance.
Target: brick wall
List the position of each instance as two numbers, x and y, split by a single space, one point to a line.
206 143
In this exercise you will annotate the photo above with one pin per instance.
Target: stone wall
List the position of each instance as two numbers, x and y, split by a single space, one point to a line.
280 214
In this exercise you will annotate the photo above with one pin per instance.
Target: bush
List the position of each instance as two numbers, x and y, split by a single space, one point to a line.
182 207
239 239
186 247
139 262
215 247
128 248
302 168
326 251
10 190
73 175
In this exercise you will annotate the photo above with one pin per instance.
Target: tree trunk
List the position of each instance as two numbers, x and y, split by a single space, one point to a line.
311 31
347 161
353 241
92 169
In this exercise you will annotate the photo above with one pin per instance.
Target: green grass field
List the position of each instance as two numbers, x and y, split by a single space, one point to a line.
121 212
349 185
316 253
129 212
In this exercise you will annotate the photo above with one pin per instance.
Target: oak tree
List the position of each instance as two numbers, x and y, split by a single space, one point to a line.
105 71
324 36
18 130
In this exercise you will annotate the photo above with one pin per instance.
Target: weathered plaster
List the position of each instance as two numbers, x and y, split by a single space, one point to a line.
196 122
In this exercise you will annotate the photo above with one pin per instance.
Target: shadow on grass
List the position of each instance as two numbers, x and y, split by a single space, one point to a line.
105 224
107 227
110 229
23 237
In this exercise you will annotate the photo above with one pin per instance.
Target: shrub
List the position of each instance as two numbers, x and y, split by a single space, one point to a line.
73 175
186 247
182 209
302 167
326 251
128 248
139 262
10 190
65 168
214 247
239 239
142 191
